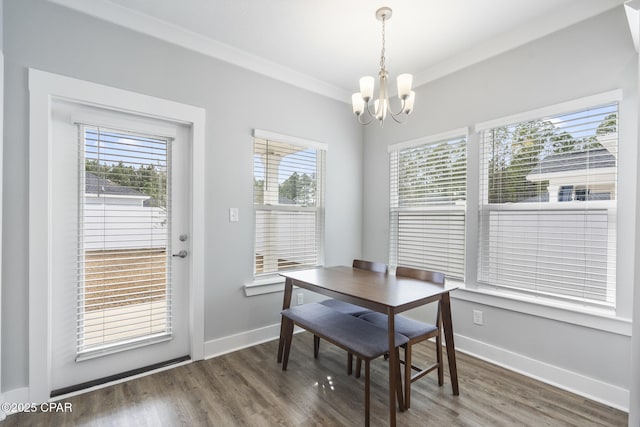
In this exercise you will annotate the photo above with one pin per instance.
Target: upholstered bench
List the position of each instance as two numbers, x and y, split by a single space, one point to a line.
350 333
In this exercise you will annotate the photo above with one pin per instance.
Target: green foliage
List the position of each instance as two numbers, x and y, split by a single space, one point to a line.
146 179
433 174
608 125
298 189
516 151
258 191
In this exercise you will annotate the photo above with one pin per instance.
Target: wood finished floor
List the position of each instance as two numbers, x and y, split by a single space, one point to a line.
248 388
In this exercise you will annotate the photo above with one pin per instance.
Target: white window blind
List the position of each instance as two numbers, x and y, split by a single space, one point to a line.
289 205
428 203
548 195
124 273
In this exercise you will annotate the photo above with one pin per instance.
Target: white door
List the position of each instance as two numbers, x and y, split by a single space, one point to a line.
121 198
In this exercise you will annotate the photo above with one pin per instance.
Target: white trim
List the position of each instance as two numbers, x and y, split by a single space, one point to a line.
591 388
594 318
551 110
1 197
16 395
118 123
265 285
526 33
235 342
632 9
571 381
287 139
171 33
43 87
444 136
231 343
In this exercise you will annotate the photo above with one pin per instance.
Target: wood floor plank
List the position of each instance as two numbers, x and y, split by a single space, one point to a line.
248 388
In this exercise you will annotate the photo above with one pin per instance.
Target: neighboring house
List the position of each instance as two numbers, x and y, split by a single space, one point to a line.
105 191
112 211
580 175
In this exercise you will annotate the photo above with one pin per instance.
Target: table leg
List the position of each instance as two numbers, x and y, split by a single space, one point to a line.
393 360
447 325
286 303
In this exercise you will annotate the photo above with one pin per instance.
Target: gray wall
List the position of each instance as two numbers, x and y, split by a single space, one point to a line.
591 57
51 38
588 58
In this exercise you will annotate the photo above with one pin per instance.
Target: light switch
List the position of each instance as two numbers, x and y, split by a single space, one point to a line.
233 215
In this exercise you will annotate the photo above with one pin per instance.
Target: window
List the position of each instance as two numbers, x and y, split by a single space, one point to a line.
124 274
548 198
288 196
428 203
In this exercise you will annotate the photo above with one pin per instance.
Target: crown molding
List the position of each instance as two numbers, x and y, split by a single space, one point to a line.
524 34
632 9
145 24
173 34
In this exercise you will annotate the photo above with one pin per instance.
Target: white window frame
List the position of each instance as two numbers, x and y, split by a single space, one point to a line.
273 282
44 86
395 210
616 321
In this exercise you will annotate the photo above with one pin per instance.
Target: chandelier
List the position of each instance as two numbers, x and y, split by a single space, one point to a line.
381 105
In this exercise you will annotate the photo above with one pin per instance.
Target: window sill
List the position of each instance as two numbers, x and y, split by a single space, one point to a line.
266 285
601 319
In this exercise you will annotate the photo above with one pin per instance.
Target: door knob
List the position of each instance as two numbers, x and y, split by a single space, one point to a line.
182 254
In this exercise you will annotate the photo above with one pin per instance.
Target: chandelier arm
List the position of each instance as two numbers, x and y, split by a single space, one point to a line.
365 122
372 114
393 116
399 112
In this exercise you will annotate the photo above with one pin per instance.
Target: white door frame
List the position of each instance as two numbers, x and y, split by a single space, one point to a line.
43 87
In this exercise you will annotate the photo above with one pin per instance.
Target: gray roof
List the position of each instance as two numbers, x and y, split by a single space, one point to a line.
575 160
93 183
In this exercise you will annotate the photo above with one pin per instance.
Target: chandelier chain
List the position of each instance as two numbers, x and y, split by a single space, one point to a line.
382 58
368 107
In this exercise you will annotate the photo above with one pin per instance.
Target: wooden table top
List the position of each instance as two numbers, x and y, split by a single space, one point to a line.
374 290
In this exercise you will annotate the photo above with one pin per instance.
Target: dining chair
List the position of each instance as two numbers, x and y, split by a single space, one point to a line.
348 308
416 331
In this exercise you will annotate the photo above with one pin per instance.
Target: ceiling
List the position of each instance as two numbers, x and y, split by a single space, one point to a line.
327 45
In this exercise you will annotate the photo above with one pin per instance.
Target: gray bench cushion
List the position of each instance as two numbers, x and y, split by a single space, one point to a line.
403 325
350 333
345 307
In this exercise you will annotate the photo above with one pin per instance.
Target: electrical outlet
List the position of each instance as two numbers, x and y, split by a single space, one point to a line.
477 317
300 299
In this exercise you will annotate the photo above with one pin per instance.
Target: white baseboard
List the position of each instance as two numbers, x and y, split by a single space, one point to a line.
17 395
608 394
231 343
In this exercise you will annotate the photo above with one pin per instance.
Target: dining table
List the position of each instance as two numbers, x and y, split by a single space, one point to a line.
384 293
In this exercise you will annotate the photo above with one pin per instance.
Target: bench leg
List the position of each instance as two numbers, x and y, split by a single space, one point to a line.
281 341
349 363
439 348
398 381
288 334
316 346
358 366
367 385
407 375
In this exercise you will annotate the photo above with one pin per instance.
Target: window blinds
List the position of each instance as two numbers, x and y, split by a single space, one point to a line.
428 203
289 206
124 289
548 192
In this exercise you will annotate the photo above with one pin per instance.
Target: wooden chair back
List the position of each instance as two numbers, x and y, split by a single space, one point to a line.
377 267
416 273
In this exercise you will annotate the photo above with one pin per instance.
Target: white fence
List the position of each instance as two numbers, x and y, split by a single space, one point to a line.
108 226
